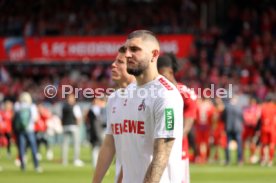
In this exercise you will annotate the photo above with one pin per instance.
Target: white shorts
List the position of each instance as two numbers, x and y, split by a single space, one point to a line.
118 170
186 175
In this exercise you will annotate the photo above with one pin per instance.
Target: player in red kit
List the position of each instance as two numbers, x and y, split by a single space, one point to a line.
6 126
167 66
219 139
203 124
251 116
268 123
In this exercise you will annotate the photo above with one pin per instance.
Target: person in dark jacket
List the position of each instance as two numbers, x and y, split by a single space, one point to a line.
234 126
95 121
71 119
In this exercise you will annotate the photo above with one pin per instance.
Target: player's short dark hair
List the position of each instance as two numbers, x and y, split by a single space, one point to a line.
168 60
143 34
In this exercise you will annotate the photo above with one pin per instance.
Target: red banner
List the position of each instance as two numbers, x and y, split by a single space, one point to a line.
80 48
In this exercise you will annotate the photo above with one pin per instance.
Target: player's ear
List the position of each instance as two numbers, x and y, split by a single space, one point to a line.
171 71
155 53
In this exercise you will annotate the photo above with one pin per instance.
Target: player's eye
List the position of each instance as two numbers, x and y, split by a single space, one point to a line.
134 48
121 62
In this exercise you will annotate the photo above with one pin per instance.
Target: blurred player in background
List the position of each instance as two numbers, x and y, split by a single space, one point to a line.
203 126
6 126
268 132
251 117
218 138
121 78
119 70
167 66
41 129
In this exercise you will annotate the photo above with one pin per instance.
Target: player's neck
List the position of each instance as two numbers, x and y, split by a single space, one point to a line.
125 83
147 76
174 82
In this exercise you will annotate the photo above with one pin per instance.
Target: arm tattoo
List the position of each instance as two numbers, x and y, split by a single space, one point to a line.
161 154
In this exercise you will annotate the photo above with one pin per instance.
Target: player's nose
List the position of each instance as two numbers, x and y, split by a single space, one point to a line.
127 53
113 65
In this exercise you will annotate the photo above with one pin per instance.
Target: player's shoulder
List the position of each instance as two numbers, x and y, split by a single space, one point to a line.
131 86
165 85
186 91
167 90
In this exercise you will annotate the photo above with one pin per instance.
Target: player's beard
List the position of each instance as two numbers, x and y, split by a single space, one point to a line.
135 71
142 66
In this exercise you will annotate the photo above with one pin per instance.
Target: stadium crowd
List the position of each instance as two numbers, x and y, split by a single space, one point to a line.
241 52
52 18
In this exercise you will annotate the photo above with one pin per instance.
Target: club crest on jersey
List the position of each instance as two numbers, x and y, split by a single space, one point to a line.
113 109
142 106
125 102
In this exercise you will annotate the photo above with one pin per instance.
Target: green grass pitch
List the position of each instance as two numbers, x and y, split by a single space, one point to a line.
55 172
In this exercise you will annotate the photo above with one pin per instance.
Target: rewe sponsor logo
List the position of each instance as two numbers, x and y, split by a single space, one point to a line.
128 126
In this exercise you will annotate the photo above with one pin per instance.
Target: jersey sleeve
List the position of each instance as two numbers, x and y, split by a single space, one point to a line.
168 115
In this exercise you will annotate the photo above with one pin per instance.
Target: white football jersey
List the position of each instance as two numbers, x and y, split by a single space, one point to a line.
139 115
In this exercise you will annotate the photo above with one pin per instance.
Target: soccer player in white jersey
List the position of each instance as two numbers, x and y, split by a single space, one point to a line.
167 66
146 126
121 78
119 72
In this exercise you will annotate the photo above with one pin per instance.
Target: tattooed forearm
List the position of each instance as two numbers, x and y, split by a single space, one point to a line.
161 153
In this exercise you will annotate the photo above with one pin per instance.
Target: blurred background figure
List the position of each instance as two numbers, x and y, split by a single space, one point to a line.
24 120
167 66
218 135
71 120
251 131
121 79
95 121
41 129
54 133
234 127
203 124
268 131
6 115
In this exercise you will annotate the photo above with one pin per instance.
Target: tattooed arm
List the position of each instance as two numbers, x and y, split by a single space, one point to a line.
161 154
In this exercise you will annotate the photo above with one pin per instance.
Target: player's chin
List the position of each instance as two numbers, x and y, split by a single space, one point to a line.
131 67
115 77
114 74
